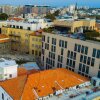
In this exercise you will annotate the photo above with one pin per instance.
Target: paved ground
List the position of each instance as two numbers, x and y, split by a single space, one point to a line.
18 57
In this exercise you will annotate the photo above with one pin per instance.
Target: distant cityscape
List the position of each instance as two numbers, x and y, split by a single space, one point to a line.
49 53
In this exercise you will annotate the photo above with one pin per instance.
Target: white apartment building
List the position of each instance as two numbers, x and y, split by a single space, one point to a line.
76 55
8 69
30 24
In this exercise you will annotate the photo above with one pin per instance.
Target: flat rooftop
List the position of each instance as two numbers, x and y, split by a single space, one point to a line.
7 63
47 82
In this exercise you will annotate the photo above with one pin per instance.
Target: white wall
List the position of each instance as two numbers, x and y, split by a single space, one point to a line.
6 95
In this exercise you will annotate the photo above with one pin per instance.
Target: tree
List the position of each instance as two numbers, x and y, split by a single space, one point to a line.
50 16
3 16
92 34
56 13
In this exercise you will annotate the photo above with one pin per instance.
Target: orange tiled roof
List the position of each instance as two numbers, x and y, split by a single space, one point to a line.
22 71
3 38
44 82
15 18
14 87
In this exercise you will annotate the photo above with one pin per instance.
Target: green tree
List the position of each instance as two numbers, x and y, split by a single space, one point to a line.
91 34
56 13
50 16
3 16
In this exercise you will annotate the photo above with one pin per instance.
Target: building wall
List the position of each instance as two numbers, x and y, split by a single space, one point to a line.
89 65
4 95
8 72
85 24
35 45
19 38
5 47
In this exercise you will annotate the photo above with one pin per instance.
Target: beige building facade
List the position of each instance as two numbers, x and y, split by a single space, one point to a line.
76 25
5 44
19 38
76 55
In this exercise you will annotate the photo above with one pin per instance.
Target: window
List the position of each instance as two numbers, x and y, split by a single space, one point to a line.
59 65
53 48
94 53
99 74
87 69
83 69
13 26
74 56
43 38
2 96
82 49
86 50
75 48
81 58
98 54
67 61
21 27
80 67
79 48
17 26
89 60
28 28
71 54
10 75
62 51
65 44
85 59
48 39
32 51
53 41
36 53
60 58
68 54
92 62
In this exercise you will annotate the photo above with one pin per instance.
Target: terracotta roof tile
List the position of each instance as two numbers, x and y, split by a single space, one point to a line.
44 83
14 87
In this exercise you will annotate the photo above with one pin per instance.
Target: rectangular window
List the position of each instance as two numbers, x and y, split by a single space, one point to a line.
82 49
94 52
89 60
79 48
80 67
75 48
81 58
86 50
62 51
87 70
92 62
85 59
53 41
98 74
98 54
83 68
65 44
48 39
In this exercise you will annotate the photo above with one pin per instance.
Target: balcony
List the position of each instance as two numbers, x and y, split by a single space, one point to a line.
15 41
14 35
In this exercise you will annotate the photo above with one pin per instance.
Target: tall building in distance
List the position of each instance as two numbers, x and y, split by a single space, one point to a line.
36 9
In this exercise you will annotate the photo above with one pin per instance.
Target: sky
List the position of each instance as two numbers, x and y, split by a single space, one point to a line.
58 3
